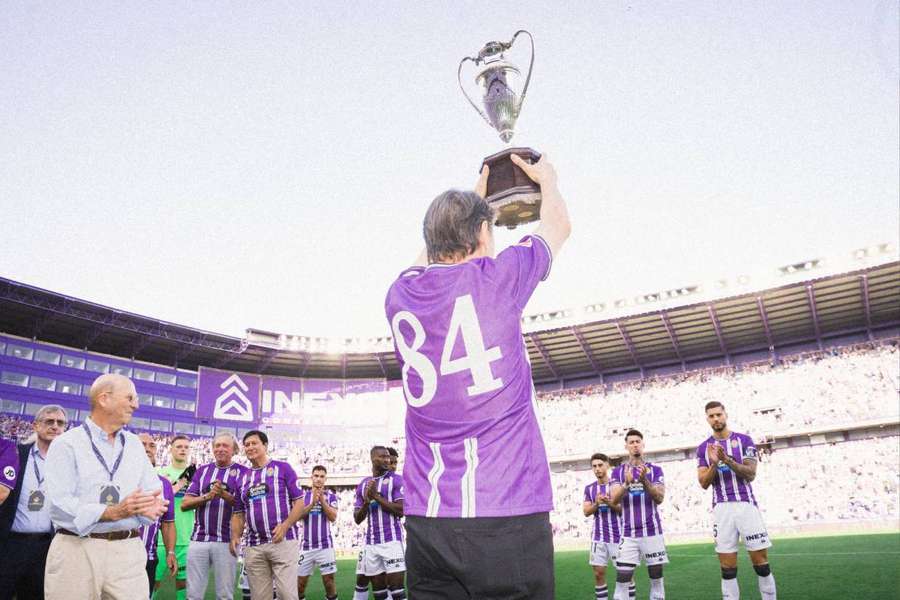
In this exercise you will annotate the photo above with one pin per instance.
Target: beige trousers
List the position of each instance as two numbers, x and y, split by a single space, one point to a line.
95 569
272 562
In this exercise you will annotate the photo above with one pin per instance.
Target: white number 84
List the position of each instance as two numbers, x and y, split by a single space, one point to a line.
477 359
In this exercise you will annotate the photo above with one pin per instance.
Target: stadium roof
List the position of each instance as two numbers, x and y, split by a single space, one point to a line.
863 302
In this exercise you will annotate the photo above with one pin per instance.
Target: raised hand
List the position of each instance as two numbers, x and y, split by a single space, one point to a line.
481 184
541 172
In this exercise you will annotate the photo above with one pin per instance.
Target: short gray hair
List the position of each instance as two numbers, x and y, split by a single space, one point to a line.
50 408
452 224
230 436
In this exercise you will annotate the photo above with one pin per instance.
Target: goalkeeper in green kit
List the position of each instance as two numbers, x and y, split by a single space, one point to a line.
179 473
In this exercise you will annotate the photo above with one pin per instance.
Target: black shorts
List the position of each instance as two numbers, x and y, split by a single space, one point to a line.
487 558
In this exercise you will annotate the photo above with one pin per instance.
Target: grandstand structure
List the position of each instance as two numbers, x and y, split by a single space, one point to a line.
53 346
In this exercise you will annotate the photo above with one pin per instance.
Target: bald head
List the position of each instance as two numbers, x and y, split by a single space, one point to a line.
113 401
108 383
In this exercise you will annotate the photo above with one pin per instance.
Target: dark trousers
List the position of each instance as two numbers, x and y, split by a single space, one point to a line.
151 573
485 558
23 557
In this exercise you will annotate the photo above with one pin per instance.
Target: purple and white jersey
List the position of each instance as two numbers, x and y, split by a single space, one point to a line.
316 526
9 464
607 523
148 532
266 497
640 517
473 444
381 525
212 520
727 485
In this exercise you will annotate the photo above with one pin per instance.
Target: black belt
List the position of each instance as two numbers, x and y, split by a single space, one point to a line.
111 536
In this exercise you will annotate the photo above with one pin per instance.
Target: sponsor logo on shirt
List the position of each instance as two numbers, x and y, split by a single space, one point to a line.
755 536
257 492
9 472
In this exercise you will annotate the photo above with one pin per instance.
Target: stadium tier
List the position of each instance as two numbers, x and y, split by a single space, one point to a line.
809 369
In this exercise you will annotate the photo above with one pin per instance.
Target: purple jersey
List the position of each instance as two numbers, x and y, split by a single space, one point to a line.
148 532
382 526
265 499
212 520
473 444
9 464
607 523
727 486
316 526
640 516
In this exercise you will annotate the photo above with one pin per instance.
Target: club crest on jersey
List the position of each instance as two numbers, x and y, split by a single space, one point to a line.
233 472
270 471
9 472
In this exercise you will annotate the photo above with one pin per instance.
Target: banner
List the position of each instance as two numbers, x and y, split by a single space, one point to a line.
304 411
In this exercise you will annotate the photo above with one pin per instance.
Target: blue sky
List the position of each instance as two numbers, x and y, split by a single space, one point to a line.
268 165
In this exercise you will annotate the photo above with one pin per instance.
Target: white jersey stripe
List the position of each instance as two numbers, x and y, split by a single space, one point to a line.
434 498
468 478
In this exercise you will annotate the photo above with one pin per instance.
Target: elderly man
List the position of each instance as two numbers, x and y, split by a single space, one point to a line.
269 503
25 527
211 495
101 489
165 525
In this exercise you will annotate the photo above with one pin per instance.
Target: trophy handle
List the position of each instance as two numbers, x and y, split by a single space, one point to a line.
466 94
530 67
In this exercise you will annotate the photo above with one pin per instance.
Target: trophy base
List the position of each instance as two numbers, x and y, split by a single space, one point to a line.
515 198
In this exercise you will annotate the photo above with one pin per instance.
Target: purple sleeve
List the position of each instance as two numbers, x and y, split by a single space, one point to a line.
616 476
194 487
702 460
750 452
522 266
9 464
397 491
359 495
587 494
239 495
169 495
332 500
658 475
290 479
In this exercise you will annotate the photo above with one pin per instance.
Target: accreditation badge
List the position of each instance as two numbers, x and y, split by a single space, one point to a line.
109 495
35 501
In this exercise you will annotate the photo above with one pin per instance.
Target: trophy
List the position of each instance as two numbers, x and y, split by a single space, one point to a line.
515 198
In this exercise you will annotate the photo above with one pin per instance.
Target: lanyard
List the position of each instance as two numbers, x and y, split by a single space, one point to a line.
34 458
100 456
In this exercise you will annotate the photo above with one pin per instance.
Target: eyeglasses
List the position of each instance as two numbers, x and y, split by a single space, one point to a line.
61 423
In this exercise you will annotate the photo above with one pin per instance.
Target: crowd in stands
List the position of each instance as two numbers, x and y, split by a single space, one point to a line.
835 388
849 481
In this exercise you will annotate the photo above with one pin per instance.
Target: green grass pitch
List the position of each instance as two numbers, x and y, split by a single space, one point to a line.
814 568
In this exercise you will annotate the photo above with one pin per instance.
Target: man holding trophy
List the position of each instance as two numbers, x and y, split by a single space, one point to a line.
479 495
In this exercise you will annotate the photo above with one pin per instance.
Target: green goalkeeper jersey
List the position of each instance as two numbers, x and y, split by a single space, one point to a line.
184 520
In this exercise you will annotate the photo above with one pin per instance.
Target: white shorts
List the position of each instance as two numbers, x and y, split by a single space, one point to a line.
381 558
650 549
320 557
734 520
602 553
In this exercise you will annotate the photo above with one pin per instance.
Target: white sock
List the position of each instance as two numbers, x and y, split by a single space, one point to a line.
730 589
621 592
632 590
361 593
657 589
601 592
767 587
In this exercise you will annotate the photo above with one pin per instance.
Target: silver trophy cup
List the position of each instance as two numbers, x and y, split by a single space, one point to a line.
515 198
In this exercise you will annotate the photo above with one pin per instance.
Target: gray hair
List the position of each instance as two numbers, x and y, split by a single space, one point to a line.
230 436
50 408
452 224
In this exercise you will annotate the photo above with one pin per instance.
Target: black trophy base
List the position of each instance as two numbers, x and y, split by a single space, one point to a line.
515 198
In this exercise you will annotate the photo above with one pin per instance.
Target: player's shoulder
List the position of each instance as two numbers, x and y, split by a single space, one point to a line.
589 486
704 443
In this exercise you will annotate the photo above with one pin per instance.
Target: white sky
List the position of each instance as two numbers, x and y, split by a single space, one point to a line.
268 165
